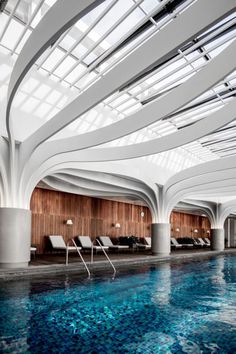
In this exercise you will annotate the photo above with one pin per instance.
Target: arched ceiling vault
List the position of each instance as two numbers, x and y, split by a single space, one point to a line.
149 84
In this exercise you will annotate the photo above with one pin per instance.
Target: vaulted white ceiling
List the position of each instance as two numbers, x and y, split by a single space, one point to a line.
149 82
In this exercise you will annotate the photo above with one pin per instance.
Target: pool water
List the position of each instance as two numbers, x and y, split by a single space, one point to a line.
185 307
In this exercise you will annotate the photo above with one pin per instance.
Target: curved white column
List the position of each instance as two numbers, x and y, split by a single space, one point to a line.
161 239
217 240
15 237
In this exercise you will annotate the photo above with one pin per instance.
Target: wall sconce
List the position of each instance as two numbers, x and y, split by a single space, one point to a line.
177 229
195 231
117 225
69 222
142 214
208 231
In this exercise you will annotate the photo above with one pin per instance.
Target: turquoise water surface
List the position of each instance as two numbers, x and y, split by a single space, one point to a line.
169 308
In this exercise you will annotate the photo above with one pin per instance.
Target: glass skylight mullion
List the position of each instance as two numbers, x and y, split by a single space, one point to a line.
28 25
218 142
223 133
212 105
173 15
30 95
173 81
194 112
101 39
228 153
75 45
189 50
200 153
180 56
41 61
9 19
224 149
123 38
223 146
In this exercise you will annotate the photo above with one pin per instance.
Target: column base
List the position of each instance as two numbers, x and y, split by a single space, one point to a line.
217 240
15 237
161 239
14 265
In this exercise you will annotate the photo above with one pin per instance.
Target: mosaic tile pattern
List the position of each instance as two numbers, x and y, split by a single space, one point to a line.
181 308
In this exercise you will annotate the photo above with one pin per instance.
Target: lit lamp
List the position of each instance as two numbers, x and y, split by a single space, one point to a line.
177 229
117 226
69 222
195 231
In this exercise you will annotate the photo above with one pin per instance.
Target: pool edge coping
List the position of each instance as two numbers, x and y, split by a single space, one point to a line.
56 269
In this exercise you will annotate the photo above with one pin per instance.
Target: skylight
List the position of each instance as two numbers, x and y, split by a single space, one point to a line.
93 46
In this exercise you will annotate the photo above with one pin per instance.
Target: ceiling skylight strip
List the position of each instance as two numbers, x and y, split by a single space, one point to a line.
117 60
181 55
186 51
44 57
220 97
107 32
75 45
106 54
9 19
28 25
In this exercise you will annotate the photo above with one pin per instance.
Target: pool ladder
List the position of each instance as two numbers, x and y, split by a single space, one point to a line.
84 263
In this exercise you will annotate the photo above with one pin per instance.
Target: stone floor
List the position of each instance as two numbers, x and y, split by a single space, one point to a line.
50 264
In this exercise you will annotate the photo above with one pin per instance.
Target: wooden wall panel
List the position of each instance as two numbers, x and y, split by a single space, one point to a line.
187 223
94 217
91 216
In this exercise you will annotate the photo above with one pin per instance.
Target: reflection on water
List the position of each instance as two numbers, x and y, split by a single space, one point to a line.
15 319
170 308
162 279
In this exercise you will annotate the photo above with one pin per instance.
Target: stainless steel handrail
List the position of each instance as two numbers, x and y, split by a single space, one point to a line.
81 257
102 247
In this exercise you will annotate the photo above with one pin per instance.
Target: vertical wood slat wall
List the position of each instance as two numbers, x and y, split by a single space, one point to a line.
95 217
90 216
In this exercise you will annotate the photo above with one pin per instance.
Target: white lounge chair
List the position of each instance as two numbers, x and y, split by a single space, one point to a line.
148 244
196 242
87 244
144 246
33 250
58 243
106 241
203 243
207 240
175 243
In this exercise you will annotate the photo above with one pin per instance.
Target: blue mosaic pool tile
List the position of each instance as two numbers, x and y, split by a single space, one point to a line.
188 308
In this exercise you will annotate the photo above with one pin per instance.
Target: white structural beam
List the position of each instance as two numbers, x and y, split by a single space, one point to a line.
225 209
217 69
174 140
218 177
102 185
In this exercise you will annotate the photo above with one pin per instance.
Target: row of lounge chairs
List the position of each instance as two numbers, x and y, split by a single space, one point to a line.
190 242
85 243
105 243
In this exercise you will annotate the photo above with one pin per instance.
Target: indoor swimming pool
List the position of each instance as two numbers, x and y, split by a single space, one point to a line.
187 307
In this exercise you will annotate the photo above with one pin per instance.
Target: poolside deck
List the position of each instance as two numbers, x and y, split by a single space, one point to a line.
55 263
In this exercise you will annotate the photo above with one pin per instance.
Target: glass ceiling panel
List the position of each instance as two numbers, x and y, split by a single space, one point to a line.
125 26
148 5
53 59
12 34
121 7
